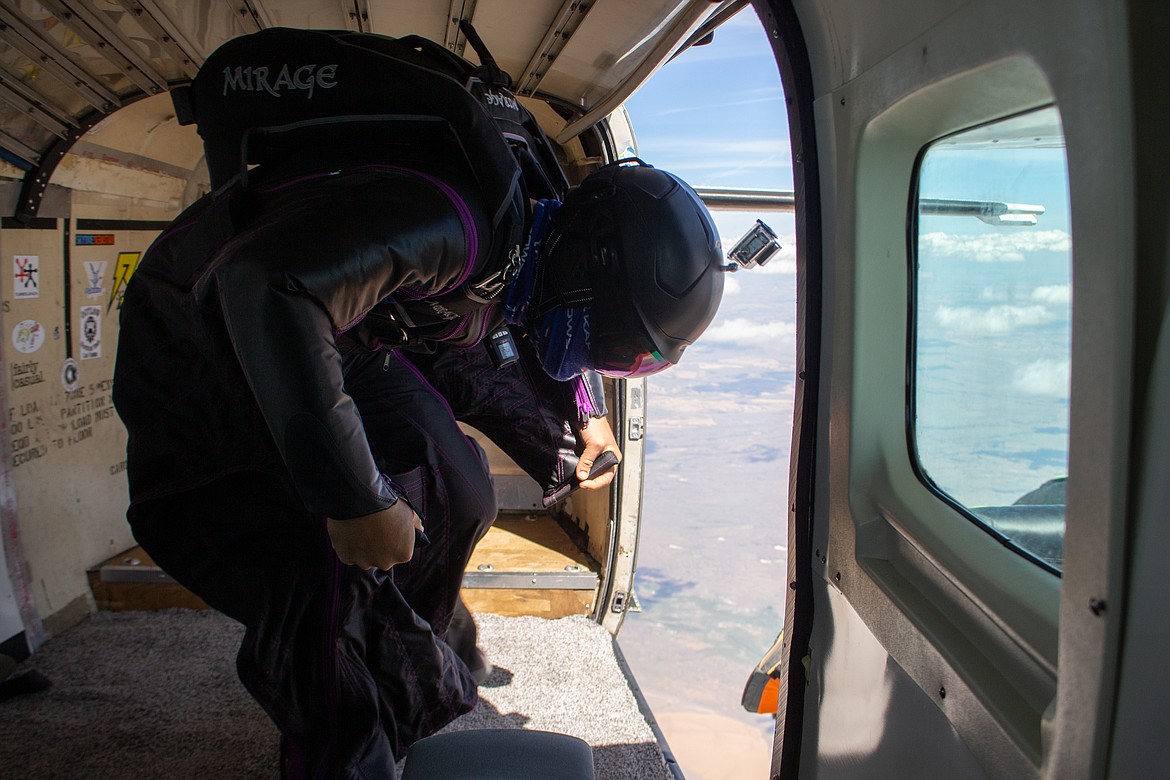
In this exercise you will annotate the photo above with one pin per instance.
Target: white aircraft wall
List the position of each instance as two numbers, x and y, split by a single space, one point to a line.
61 283
122 180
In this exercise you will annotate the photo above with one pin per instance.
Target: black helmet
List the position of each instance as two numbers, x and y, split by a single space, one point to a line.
637 246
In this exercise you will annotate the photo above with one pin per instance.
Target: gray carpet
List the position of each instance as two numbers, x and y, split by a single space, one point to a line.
561 675
154 695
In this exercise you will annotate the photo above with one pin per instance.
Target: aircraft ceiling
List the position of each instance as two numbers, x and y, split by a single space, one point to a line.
67 64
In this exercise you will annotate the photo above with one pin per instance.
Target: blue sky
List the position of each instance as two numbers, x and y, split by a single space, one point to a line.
715 115
713 541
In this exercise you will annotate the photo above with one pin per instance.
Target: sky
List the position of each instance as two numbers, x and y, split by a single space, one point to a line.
711 560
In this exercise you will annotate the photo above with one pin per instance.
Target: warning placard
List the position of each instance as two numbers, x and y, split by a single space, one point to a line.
26 276
91 332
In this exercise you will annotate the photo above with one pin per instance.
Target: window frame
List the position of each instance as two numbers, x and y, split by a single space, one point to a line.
912 270
947 601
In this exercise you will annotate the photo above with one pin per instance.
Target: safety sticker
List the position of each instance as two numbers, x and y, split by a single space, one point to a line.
95 272
70 375
123 270
28 336
95 239
91 332
26 280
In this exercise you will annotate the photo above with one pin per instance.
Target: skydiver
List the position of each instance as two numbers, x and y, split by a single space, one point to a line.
302 472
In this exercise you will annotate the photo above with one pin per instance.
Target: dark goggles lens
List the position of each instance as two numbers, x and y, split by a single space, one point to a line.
626 355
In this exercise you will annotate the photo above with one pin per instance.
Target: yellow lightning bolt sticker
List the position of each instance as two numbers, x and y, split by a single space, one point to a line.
127 262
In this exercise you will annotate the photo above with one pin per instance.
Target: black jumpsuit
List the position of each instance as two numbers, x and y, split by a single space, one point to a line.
255 410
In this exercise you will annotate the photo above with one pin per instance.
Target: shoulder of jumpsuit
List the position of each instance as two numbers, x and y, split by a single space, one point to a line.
350 238
178 253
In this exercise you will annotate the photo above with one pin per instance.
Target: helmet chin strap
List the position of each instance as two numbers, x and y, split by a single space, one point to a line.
575 299
562 279
558 324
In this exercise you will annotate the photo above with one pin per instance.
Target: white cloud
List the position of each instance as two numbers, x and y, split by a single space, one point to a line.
782 263
1043 377
701 159
744 331
1054 294
713 152
996 319
772 97
1008 247
729 171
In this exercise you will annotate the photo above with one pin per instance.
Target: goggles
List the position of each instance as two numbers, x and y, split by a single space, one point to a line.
625 355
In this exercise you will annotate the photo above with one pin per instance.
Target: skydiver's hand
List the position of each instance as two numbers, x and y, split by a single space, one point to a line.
598 438
376 541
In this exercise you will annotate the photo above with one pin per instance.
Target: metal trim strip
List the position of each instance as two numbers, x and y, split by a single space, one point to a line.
132 574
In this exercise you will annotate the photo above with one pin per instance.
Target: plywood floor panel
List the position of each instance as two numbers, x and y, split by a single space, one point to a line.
529 545
515 544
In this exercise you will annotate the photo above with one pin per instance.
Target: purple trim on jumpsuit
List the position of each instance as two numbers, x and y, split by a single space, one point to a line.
469 232
456 199
584 400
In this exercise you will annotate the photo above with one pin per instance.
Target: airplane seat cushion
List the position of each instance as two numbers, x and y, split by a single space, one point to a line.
499 754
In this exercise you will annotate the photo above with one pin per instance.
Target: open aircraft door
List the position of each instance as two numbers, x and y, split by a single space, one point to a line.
978 447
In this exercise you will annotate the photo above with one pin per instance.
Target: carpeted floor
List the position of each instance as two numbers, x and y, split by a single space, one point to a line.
154 695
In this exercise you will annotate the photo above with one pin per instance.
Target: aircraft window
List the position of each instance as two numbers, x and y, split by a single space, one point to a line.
990 333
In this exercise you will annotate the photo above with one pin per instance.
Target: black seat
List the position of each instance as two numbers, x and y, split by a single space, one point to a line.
499 754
